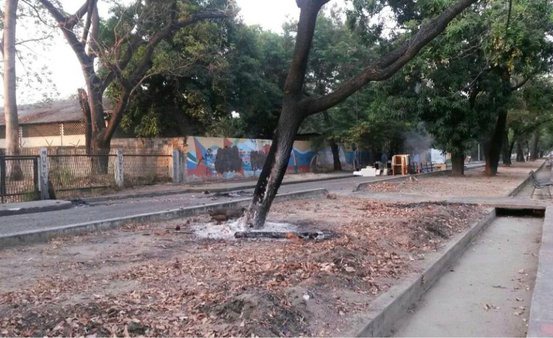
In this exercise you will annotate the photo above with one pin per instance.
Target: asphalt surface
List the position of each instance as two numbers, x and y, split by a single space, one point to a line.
103 210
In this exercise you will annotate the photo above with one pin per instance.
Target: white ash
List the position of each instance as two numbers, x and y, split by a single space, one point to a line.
226 230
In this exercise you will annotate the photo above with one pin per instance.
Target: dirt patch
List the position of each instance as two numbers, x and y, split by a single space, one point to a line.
474 183
155 280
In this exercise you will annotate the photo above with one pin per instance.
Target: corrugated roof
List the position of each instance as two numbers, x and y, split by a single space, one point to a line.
51 112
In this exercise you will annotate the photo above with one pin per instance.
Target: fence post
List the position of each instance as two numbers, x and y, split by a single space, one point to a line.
178 166
2 177
43 174
119 172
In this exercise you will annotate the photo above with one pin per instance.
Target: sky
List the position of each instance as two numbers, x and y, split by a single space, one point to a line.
65 69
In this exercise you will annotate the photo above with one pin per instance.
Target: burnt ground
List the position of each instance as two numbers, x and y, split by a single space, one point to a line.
154 280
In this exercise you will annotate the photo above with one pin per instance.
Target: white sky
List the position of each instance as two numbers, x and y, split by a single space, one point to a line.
65 69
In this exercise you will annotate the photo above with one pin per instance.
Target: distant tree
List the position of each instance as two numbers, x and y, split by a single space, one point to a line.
518 50
237 69
336 55
529 117
125 53
258 62
10 99
468 76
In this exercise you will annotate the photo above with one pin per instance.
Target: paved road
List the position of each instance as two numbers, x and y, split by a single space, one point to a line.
127 207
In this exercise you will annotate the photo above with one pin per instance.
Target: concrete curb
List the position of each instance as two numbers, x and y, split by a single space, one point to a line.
43 235
202 189
32 207
400 178
540 322
393 305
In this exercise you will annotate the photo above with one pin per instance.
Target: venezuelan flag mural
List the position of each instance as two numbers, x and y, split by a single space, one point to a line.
233 157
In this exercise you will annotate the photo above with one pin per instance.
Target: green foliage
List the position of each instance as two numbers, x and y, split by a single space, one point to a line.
467 74
532 111
258 63
227 126
203 74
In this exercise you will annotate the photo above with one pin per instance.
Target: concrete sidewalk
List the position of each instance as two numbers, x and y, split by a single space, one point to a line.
33 206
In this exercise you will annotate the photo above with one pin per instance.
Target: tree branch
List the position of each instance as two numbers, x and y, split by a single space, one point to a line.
390 63
70 36
88 23
72 20
137 76
306 26
521 83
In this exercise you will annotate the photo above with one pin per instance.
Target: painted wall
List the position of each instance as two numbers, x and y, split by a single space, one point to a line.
208 157
233 157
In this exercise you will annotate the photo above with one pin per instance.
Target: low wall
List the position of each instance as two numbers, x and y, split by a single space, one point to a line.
217 157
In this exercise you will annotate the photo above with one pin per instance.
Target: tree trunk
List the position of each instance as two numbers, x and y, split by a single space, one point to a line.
289 121
335 155
10 101
273 170
457 164
100 156
534 153
492 148
520 152
512 146
99 144
506 149
85 108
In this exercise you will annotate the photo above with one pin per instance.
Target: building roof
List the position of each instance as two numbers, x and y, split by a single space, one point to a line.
67 110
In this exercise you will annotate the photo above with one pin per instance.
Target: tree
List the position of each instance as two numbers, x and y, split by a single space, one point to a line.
444 73
296 106
187 92
336 55
127 59
517 51
468 75
531 113
231 86
10 100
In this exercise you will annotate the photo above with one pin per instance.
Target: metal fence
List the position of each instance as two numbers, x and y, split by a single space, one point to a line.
18 178
67 173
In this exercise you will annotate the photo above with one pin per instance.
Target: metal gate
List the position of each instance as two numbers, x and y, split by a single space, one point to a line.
18 178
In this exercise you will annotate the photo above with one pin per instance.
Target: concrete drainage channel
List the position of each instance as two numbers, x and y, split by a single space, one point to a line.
488 291
498 288
46 234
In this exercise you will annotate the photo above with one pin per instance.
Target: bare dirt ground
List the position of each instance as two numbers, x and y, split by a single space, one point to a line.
474 183
156 280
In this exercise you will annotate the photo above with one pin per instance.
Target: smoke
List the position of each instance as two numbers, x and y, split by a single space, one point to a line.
417 142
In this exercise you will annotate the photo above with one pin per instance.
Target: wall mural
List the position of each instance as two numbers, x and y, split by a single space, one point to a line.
234 157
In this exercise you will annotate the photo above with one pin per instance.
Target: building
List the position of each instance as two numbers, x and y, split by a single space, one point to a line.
58 123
